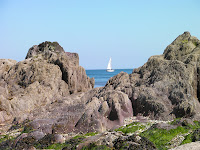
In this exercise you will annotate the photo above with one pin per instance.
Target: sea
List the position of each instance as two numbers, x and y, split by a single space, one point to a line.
102 76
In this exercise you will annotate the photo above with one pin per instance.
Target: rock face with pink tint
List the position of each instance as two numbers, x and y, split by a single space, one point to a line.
104 111
48 74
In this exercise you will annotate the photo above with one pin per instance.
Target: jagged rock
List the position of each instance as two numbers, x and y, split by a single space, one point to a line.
48 72
39 88
73 74
167 86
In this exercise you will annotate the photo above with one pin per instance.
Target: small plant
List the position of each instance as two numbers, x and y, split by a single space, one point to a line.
131 128
5 138
78 136
188 139
91 134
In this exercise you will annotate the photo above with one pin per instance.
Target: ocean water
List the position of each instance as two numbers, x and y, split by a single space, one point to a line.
102 76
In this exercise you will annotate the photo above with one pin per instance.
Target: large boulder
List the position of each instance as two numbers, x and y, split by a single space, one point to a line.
104 110
48 74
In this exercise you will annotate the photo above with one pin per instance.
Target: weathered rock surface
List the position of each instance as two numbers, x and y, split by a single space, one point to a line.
167 86
73 74
39 88
60 116
46 75
105 110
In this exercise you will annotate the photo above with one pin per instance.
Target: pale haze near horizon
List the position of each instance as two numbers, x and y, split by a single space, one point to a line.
129 31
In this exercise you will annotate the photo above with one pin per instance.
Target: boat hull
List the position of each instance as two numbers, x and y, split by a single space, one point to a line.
110 70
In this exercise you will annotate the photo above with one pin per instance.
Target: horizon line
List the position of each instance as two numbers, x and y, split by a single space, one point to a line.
106 69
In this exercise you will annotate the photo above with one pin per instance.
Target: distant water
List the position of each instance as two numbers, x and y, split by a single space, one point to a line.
102 76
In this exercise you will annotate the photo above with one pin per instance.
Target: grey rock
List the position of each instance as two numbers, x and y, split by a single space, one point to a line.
164 126
188 146
73 74
167 86
37 134
47 75
59 138
117 140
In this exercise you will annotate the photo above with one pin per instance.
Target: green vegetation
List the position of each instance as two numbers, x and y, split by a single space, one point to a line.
79 136
91 134
131 128
5 138
184 41
188 139
161 137
84 135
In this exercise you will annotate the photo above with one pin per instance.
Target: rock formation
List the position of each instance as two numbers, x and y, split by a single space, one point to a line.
52 91
165 87
73 74
46 75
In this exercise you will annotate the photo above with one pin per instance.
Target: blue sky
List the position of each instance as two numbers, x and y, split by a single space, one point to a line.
129 31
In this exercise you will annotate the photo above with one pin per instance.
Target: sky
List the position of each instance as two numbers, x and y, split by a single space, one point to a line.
129 31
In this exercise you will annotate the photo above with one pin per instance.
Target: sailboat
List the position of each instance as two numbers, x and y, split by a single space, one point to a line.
109 68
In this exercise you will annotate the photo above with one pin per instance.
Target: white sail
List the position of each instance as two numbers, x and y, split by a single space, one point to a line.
109 64
109 68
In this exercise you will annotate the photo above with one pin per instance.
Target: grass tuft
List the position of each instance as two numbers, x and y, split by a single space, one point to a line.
91 134
131 128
